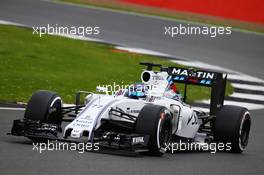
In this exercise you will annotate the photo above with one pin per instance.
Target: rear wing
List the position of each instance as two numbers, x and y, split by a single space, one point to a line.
192 76
215 80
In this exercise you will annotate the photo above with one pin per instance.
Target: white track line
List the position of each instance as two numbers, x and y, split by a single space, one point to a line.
244 77
251 106
248 96
202 65
77 37
13 109
22 109
249 87
11 23
142 51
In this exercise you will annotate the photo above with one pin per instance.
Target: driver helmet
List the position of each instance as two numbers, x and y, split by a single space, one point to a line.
172 92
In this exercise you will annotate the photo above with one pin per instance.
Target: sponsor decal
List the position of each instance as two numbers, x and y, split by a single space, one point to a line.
138 139
157 77
192 73
82 123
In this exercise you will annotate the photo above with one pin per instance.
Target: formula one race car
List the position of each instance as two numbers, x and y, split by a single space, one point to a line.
146 117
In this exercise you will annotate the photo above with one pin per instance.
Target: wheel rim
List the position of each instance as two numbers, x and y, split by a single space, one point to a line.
244 131
55 111
164 131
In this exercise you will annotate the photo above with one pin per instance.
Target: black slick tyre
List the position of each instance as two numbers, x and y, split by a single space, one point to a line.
155 121
232 126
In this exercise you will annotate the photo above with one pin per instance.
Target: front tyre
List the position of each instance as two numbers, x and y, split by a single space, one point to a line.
155 121
44 106
232 125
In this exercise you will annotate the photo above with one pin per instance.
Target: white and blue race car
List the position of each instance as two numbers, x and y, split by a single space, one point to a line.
146 117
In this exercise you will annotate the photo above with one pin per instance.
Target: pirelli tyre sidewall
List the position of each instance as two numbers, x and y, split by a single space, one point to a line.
44 106
155 121
232 125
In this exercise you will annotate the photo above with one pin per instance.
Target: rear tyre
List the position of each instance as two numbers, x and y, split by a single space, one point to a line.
232 125
155 121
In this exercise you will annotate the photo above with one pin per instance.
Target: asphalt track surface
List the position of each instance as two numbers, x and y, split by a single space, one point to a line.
17 157
240 51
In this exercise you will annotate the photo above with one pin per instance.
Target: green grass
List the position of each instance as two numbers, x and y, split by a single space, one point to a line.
172 14
29 63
